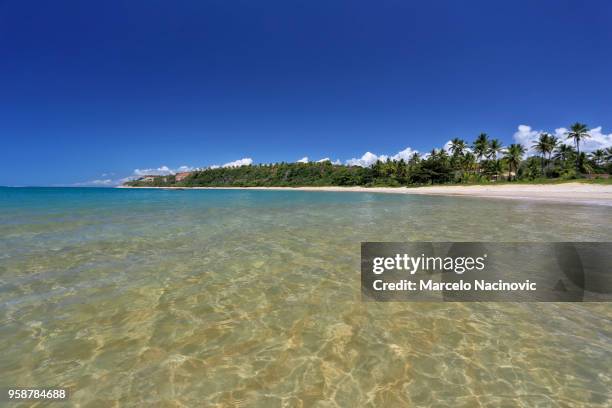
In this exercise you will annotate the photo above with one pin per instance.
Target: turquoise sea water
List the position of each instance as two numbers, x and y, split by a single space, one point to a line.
251 298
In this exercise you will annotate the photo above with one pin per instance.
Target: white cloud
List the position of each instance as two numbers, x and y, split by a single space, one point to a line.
560 133
162 171
598 140
241 162
104 182
98 183
370 158
526 136
183 169
327 159
365 161
236 163
404 154
303 160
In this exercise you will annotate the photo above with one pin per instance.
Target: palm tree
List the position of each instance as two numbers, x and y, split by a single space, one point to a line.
553 142
564 152
481 146
401 169
542 146
583 164
442 155
598 156
609 154
468 162
495 147
514 155
578 131
415 158
457 147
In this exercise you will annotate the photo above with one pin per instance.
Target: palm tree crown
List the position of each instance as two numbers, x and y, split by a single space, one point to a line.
542 144
457 146
564 152
577 132
481 146
495 147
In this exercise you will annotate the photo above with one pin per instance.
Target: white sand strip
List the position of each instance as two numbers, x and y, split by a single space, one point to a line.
580 193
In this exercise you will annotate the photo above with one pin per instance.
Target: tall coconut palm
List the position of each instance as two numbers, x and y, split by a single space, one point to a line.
457 146
514 155
495 147
542 146
481 146
578 131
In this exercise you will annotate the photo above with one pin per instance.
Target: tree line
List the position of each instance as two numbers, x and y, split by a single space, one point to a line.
484 160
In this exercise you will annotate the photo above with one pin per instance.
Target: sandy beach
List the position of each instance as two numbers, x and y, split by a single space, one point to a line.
578 193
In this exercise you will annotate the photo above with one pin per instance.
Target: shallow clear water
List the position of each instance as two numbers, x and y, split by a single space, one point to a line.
252 298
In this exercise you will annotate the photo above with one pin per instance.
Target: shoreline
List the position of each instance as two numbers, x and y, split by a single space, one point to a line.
570 193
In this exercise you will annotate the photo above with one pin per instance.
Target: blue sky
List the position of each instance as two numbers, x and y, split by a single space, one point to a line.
93 91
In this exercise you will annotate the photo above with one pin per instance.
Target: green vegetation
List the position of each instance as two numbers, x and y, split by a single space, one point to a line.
486 161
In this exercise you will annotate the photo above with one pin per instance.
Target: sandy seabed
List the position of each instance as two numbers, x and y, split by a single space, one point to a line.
143 297
579 193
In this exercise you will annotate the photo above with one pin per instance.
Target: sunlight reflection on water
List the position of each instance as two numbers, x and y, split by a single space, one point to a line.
252 297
